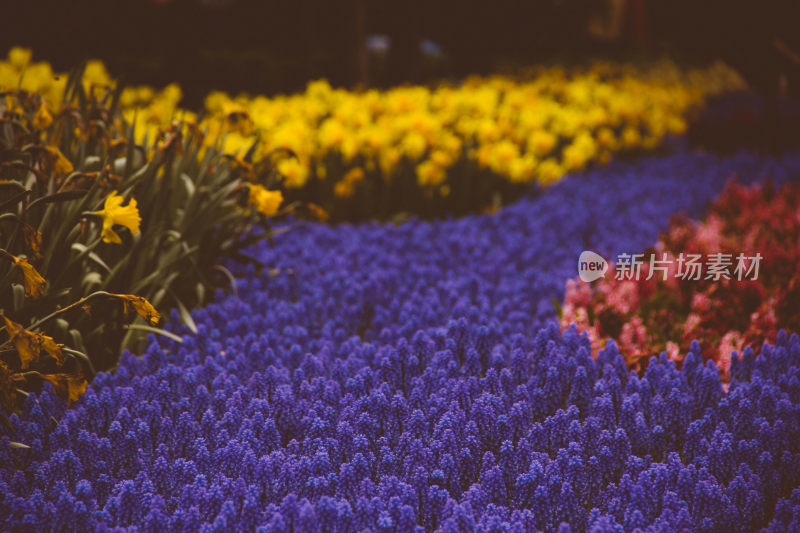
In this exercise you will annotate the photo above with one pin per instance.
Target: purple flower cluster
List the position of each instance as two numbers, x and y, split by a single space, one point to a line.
412 378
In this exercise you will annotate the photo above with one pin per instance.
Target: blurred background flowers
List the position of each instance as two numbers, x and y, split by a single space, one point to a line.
269 47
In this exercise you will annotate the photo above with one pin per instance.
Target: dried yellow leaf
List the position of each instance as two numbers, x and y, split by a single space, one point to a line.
61 165
9 381
317 212
68 386
29 345
142 307
33 239
33 282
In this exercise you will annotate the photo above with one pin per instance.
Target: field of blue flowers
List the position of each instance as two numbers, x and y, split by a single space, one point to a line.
412 377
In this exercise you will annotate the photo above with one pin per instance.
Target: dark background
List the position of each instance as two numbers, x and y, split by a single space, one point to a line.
277 46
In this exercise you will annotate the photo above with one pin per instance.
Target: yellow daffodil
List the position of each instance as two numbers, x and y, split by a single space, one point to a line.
294 172
354 175
442 158
343 189
43 118
266 202
19 57
631 136
430 174
541 142
414 145
346 187
11 104
114 213
569 118
96 78
549 171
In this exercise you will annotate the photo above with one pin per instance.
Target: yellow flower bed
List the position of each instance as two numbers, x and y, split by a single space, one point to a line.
527 131
95 229
531 129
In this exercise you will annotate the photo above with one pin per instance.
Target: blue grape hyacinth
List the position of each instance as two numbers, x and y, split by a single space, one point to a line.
413 378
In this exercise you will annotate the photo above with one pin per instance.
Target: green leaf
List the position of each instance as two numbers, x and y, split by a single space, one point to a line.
16 198
18 445
252 150
130 148
10 184
92 161
19 295
200 293
61 324
115 97
158 331
188 184
186 316
83 249
138 176
82 356
91 279
59 197
158 297
164 267
227 273
77 339
8 135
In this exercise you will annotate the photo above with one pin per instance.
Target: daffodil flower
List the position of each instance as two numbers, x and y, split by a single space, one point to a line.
266 202
114 213
294 173
43 118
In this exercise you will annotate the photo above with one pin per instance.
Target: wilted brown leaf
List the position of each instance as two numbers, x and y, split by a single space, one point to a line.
142 307
60 164
29 345
68 386
31 279
33 239
317 212
8 386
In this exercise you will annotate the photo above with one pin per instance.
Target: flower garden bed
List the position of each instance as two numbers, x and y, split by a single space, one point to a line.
419 375
392 378
673 301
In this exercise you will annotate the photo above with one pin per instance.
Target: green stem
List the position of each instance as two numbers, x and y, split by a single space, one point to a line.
82 356
67 308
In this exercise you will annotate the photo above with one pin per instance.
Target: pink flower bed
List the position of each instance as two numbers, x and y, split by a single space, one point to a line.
725 312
